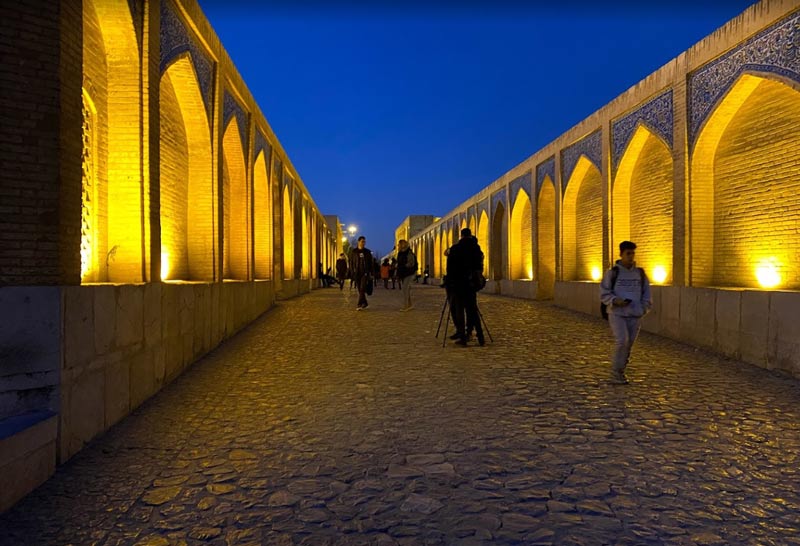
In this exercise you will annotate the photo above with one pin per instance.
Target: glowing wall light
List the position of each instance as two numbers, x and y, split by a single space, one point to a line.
659 274
530 273
164 265
597 274
767 273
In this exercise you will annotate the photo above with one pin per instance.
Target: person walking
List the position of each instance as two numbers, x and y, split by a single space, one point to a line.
464 267
406 270
625 292
385 272
361 265
341 270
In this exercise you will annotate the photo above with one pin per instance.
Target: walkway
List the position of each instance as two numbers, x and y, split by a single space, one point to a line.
320 425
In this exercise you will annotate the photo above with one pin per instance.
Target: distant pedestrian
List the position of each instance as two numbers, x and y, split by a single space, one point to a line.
386 271
625 291
361 267
406 270
341 270
393 272
425 274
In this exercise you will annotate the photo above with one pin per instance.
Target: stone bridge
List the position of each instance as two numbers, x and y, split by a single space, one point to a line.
150 213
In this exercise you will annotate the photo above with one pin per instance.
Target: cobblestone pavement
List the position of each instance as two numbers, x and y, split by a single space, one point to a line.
320 425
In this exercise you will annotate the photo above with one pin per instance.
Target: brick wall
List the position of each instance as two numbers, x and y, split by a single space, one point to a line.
288 236
546 237
499 243
757 188
174 182
483 240
583 222
262 219
235 198
520 237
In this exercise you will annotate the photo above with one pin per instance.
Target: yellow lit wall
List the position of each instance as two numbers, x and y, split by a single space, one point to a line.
297 216
288 236
437 256
235 250
546 234
499 243
262 219
583 222
642 201
520 236
305 229
483 240
188 211
756 182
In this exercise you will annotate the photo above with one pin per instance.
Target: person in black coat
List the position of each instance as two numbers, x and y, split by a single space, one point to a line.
361 266
464 267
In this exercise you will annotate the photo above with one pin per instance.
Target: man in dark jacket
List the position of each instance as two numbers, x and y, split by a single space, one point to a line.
464 265
361 264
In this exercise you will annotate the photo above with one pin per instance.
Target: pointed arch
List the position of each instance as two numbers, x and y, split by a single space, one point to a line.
546 238
483 240
288 235
262 219
188 211
583 223
305 230
748 149
520 235
437 256
114 234
642 201
235 199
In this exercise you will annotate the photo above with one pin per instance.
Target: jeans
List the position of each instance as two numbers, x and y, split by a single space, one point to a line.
625 330
405 286
362 290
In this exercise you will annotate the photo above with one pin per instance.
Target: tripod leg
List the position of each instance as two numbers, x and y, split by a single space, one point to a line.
446 324
485 327
441 317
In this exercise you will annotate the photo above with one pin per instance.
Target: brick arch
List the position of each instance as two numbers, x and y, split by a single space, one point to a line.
235 201
114 238
472 225
499 242
483 239
747 152
437 256
288 235
297 235
642 201
546 238
305 230
188 212
520 236
262 219
583 222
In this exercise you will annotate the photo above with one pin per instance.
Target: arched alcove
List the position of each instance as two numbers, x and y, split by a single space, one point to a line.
642 202
236 235
521 241
583 223
188 212
546 238
497 260
262 219
483 240
745 192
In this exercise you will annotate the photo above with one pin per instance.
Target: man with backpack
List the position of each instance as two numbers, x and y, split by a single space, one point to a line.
625 297
406 270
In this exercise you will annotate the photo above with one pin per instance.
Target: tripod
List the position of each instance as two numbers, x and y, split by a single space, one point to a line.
447 322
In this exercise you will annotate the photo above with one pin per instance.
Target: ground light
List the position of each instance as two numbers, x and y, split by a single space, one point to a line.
597 274
767 273
164 265
659 274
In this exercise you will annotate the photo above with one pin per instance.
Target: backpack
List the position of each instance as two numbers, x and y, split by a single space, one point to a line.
477 281
614 275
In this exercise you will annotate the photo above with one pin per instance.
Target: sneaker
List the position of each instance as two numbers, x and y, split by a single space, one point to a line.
481 340
462 341
456 336
618 378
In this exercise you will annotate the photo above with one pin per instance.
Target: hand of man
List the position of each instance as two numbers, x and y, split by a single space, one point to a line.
619 302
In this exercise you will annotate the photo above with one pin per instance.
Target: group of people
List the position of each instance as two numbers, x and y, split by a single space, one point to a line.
624 291
361 269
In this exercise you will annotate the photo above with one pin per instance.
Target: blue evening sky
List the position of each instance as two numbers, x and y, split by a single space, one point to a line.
391 109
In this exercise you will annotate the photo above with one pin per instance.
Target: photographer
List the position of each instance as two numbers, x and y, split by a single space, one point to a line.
464 272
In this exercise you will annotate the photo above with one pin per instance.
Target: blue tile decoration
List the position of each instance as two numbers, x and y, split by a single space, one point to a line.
176 41
520 183
590 146
261 145
544 169
231 107
656 115
499 197
775 50
483 206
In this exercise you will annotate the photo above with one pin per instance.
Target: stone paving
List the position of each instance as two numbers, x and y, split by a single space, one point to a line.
320 425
